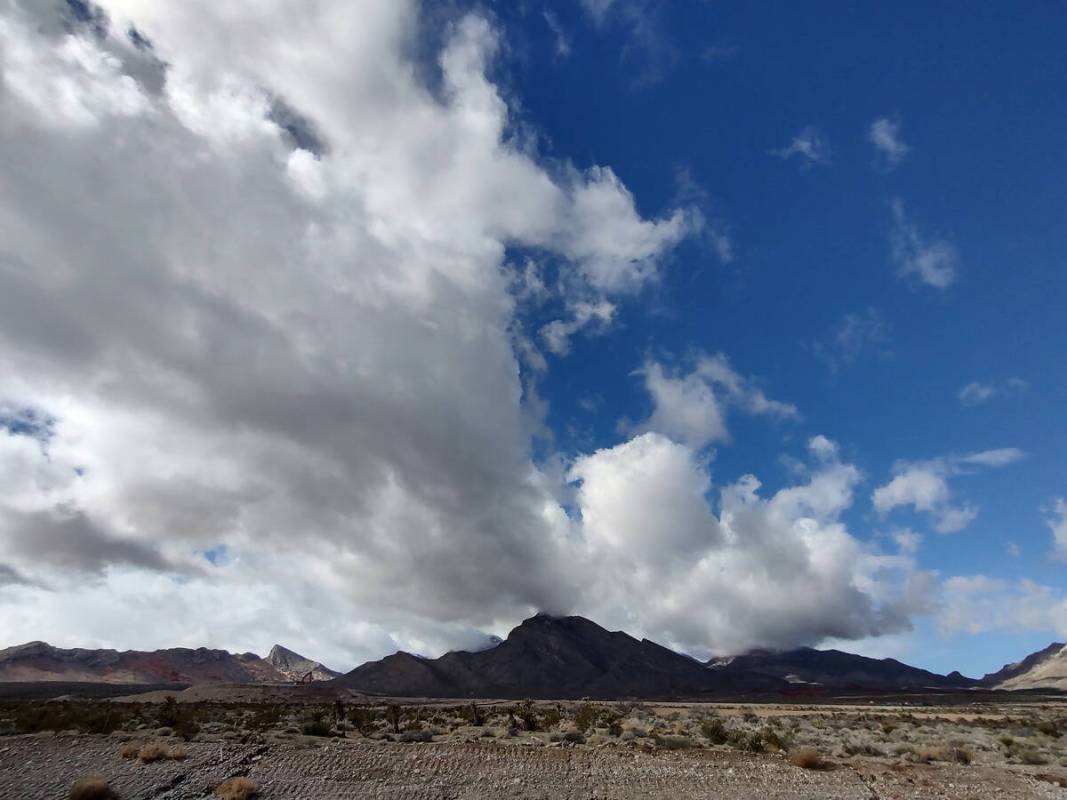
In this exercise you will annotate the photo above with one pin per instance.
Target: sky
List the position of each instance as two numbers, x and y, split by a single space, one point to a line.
378 325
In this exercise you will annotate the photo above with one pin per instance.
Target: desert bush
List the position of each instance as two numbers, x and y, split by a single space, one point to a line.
159 751
84 717
861 748
674 742
129 750
960 754
888 727
584 717
235 789
363 719
168 712
1048 727
265 718
92 788
550 718
422 735
806 758
525 714
771 739
1027 754
742 740
924 755
316 725
393 714
714 731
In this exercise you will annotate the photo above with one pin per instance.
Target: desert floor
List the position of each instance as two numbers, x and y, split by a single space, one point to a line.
309 746
44 767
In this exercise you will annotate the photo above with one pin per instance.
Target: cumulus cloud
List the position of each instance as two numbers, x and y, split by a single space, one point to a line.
923 485
810 146
884 134
692 407
976 393
934 262
779 570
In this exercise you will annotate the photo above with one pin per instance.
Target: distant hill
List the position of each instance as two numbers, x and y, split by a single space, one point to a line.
296 667
550 657
1045 669
38 661
834 669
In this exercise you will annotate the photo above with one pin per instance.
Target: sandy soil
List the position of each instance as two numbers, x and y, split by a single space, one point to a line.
44 766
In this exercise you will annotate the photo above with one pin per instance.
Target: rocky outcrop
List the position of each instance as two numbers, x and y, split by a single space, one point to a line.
297 667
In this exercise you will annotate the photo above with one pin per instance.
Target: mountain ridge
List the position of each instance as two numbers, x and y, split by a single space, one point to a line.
39 661
543 657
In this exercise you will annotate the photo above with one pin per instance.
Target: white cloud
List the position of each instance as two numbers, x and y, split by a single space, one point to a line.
308 357
780 570
923 486
890 147
691 408
977 604
934 262
557 334
975 393
616 250
907 541
1057 523
810 146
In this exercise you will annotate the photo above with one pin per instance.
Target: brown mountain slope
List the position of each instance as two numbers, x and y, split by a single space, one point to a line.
1045 669
38 661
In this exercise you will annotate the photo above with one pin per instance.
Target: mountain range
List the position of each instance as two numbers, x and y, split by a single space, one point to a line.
38 661
543 657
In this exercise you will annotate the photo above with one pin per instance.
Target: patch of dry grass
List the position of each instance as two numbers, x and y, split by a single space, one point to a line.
807 758
92 787
236 789
158 751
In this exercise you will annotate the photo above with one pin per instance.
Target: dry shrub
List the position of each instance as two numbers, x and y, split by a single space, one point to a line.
235 789
129 750
806 758
92 788
158 751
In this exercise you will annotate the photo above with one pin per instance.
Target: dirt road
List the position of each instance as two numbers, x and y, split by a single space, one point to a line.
43 767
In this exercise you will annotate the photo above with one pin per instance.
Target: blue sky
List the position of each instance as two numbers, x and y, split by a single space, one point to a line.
706 96
385 326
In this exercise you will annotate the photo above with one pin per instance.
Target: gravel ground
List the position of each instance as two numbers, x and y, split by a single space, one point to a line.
43 767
